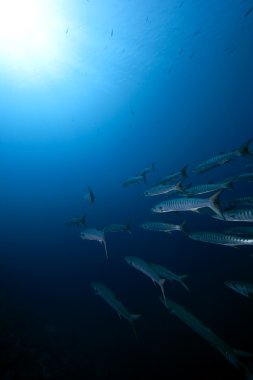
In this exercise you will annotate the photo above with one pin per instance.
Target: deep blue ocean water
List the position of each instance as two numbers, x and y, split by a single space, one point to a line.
164 82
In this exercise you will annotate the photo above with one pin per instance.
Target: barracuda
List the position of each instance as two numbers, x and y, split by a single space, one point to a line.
230 354
220 238
163 227
237 215
223 158
189 204
108 296
163 189
207 188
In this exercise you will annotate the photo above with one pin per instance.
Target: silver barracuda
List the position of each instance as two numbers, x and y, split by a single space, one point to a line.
168 275
243 288
237 215
135 180
109 297
220 238
94 234
223 158
232 355
164 189
173 176
208 188
146 269
163 227
189 204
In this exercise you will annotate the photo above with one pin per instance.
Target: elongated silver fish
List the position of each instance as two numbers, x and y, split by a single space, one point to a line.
94 234
237 215
163 227
207 188
240 230
189 204
75 221
164 189
135 180
109 297
220 238
230 354
146 269
173 176
168 275
223 158
118 227
243 288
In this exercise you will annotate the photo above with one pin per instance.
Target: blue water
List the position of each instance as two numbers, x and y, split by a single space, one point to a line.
164 82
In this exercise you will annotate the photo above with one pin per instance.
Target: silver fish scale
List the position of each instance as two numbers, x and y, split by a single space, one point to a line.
220 238
183 203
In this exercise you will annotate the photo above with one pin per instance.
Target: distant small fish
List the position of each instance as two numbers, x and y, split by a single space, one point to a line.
197 32
223 158
90 196
117 227
134 180
246 14
147 19
170 69
112 33
163 227
67 30
181 51
94 234
243 288
192 54
75 221
108 296
173 176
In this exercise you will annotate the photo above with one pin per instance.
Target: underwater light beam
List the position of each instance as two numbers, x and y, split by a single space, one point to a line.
30 35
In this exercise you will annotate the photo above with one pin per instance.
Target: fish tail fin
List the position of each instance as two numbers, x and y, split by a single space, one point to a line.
229 185
106 253
184 172
183 227
161 284
215 204
182 278
179 186
244 148
133 318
